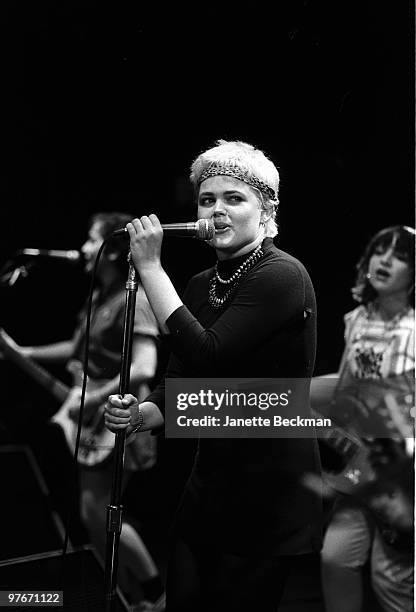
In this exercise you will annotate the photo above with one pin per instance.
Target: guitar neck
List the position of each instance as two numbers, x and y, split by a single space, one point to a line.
57 388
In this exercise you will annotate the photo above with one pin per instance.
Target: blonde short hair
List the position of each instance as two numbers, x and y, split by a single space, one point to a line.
257 169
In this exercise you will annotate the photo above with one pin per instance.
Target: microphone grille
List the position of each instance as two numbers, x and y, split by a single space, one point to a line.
205 229
74 255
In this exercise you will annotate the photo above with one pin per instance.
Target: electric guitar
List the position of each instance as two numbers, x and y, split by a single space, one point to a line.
370 413
96 441
361 409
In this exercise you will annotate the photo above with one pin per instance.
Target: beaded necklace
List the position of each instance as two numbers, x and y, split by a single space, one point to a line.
218 302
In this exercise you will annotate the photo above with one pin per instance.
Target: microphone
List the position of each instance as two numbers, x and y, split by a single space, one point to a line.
203 229
69 256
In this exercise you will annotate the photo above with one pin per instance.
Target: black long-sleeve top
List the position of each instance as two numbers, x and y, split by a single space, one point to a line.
246 494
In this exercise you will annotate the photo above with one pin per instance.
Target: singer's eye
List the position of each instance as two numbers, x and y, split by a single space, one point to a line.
206 201
402 256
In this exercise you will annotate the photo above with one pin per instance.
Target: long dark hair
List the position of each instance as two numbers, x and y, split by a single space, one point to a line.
403 238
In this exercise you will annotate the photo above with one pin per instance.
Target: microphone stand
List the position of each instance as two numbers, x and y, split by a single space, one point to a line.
115 509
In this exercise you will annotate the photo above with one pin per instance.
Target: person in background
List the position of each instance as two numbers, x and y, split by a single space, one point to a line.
136 565
379 343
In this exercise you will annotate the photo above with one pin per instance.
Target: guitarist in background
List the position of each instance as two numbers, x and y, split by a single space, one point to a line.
135 562
379 342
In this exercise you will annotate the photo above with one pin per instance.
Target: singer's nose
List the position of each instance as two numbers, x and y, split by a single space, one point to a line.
387 256
218 208
86 248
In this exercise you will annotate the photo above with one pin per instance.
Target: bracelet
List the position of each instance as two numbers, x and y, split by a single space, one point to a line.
139 424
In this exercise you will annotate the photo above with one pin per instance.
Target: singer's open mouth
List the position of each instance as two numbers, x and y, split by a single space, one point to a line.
382 274
220 227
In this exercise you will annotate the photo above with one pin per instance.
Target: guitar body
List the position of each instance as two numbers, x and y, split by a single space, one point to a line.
356 470
378 409
96 441
360 409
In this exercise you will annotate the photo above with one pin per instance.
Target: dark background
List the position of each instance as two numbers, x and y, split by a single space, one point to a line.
105 105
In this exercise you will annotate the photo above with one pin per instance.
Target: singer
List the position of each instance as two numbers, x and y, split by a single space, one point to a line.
244 517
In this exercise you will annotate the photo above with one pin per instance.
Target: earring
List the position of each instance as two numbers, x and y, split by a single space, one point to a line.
368 275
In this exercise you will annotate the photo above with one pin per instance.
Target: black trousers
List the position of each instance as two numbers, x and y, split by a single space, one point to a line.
209 580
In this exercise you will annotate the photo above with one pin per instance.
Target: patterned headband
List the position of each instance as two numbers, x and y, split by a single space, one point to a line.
218 168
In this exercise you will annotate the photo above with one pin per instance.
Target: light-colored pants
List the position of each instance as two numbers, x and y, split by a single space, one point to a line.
350 540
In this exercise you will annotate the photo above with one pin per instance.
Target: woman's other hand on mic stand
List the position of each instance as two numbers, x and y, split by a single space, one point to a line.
127 413
121 413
